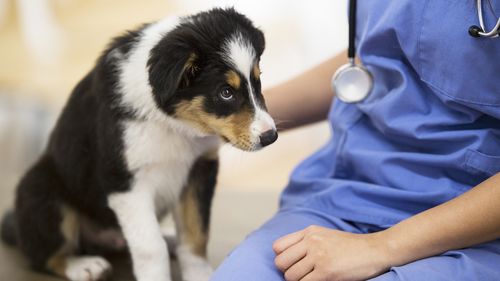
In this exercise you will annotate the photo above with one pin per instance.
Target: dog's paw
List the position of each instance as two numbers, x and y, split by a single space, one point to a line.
199 272
193 268
87 269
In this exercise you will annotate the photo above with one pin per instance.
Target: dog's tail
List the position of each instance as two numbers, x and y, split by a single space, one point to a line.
8 228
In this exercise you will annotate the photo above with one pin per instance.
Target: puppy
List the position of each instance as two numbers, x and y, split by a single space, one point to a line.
137 139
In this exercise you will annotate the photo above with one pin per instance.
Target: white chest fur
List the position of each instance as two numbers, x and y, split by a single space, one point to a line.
160 158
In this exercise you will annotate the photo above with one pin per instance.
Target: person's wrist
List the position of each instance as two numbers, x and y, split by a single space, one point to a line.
272 103
387 249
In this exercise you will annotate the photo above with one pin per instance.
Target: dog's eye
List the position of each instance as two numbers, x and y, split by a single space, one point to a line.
226 94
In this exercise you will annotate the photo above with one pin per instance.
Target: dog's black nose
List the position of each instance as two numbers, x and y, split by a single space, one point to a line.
268 137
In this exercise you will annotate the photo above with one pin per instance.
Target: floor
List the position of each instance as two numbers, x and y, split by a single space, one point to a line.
249 183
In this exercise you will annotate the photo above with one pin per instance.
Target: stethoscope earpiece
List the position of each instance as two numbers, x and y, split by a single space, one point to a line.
474 31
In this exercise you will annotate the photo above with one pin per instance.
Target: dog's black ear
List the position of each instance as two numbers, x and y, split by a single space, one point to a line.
172 65
260 42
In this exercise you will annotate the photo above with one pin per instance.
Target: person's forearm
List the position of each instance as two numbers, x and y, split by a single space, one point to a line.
470 219
306 98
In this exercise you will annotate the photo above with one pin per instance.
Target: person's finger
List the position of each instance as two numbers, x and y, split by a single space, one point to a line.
300 269
286 241
290 256
314 275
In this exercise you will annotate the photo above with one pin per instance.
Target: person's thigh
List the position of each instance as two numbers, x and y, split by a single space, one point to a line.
253 259
481 263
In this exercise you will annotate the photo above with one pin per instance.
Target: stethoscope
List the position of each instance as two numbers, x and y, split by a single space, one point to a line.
353 83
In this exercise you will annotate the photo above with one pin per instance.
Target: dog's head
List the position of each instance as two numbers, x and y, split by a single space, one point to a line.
205 72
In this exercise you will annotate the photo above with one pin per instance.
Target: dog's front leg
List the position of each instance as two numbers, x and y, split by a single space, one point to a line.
136 215
192 217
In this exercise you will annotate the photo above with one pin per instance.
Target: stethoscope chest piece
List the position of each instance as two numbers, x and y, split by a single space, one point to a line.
352 83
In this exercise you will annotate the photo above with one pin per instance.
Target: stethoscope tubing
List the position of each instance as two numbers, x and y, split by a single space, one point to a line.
352 83
351 49
493 32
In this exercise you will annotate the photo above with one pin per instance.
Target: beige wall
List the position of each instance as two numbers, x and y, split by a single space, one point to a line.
84 26
44 62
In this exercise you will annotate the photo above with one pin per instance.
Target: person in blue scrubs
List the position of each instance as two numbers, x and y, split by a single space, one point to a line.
408 186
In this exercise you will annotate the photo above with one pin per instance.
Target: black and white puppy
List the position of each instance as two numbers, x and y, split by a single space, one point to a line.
139 137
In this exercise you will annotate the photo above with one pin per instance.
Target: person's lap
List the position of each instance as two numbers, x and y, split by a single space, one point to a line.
253 259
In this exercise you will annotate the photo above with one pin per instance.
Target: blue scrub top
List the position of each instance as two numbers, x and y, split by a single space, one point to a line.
429 130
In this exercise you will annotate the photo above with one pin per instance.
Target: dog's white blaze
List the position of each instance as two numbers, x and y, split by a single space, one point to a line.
241 55
262 121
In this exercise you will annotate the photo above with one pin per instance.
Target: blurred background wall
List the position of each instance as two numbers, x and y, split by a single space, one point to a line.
47 46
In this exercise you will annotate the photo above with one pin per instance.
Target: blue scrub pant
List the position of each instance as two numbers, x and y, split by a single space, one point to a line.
253 259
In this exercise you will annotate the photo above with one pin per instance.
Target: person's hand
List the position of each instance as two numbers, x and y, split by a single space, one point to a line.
321 254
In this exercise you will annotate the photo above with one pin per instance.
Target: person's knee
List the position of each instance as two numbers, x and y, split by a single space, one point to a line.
251 260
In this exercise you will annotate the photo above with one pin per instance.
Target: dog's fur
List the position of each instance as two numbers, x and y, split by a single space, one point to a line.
138 138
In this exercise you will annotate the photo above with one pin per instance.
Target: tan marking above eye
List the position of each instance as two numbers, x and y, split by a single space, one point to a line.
233 79
256 72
